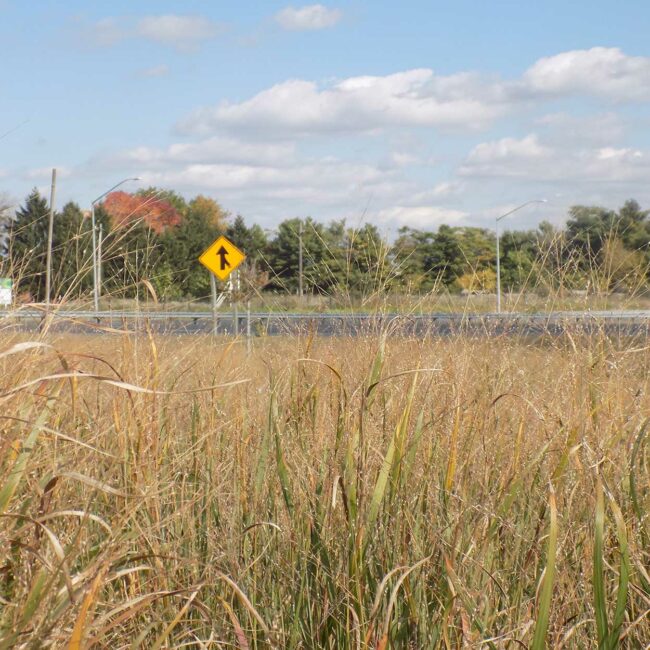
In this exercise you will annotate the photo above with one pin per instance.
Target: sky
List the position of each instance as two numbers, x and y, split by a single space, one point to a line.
401 114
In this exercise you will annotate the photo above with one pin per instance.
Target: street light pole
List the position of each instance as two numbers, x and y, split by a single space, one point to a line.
497 220
498 269
300 287
95 259
50 230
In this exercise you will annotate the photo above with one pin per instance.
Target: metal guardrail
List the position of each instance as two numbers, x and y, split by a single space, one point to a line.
617 323
638 315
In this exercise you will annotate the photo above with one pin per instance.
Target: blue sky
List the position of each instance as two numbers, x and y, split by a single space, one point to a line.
412 113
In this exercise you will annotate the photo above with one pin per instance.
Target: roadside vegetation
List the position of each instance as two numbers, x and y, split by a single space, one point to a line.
378 492
156 236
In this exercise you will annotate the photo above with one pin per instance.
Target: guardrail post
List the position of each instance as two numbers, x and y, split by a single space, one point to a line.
248 327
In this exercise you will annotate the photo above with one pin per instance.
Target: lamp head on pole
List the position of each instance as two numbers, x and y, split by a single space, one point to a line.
519 207
126 180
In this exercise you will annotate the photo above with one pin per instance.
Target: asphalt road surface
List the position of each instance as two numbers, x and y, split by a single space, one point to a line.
613 323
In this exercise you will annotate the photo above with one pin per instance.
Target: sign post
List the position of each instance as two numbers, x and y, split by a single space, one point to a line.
213 294
221 258
6 291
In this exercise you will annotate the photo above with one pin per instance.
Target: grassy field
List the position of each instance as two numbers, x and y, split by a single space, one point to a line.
363 493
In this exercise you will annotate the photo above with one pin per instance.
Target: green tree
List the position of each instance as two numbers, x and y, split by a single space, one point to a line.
182 246
135 254
28 245
175 199
444 261
412 252
620 267
519 252
633 227
587 229
283 255
206 210
252 241
368 263
71 253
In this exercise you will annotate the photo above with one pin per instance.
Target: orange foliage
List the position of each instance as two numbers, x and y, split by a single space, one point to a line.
125 209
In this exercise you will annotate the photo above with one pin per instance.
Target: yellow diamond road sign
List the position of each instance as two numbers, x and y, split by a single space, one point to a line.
222 258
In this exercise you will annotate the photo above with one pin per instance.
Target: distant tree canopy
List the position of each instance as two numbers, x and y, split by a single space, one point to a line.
157 235
156 213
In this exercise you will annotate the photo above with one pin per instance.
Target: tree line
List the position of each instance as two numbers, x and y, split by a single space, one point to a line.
155 237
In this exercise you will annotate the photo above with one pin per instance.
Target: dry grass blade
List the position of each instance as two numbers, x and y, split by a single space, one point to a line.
18 468
243 599
118 384
338 474
23 347
76 640
157 644
394 592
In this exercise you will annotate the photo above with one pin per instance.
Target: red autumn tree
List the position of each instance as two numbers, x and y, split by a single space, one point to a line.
125 209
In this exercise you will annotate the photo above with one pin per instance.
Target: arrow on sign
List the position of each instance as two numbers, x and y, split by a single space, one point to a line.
223 262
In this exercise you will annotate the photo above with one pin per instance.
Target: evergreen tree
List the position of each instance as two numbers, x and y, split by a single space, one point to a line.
368 262
252 241
71 253
28 245
283 255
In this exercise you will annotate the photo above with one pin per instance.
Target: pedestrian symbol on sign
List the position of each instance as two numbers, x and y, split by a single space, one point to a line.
222 258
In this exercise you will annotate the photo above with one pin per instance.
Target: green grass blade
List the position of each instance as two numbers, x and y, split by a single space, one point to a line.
598 578
18 469
541 626
634 493
624 576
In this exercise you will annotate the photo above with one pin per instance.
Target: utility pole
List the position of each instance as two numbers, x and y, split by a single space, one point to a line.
94 228
300 231
50 231
496 223
94 232
99 260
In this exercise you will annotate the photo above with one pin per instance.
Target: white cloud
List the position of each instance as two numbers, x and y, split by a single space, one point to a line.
105 32
606 72
404 159
338 176
181 32
422 98
308 18
505 157
528 158
422 216
415 98
216 149
40 173
155 71
581 130
266 157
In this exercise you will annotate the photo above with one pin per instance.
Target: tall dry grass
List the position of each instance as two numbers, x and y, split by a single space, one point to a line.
366 493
